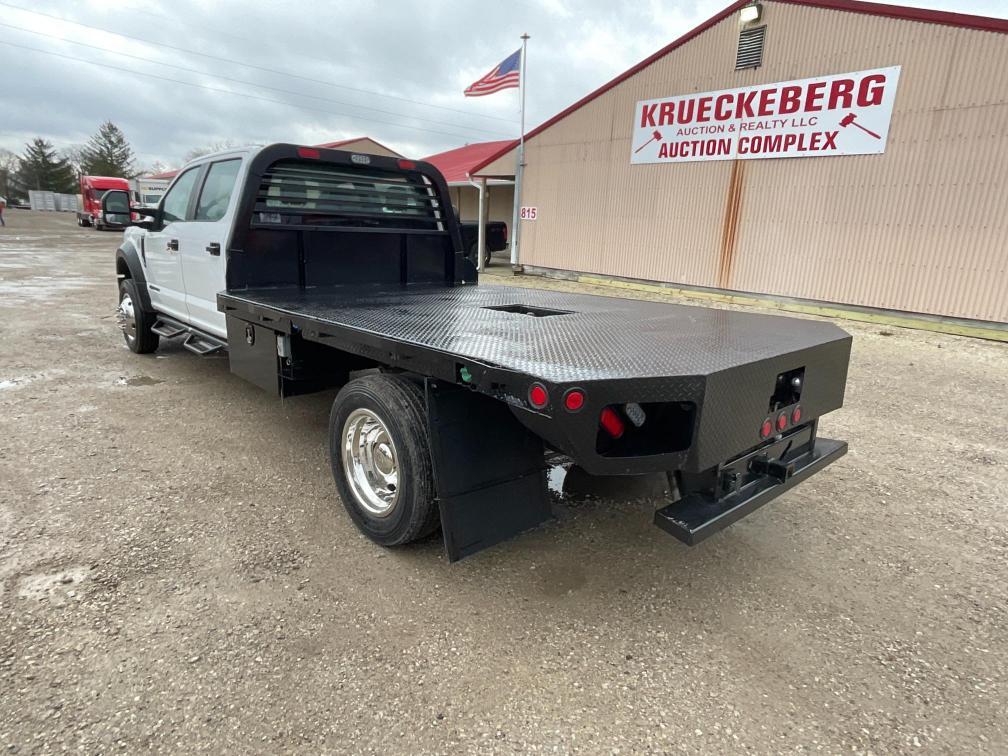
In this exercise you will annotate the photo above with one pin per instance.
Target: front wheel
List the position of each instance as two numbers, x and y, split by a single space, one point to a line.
380 455
134 320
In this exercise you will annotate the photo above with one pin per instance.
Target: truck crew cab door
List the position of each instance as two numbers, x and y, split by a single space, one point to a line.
204 245
162 247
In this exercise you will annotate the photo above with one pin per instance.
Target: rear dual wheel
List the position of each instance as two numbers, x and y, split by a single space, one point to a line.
379 451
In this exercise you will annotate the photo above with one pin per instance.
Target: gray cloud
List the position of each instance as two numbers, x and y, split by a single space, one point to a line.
422 51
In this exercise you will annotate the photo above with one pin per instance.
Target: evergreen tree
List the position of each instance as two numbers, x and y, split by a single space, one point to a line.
107 153
40 168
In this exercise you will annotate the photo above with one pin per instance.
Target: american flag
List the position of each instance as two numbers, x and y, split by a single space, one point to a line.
503 76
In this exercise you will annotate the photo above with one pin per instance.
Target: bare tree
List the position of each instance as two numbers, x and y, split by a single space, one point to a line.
196 152
155 167
9 166
74 154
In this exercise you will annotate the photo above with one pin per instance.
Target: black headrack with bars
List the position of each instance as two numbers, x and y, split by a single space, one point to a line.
309 193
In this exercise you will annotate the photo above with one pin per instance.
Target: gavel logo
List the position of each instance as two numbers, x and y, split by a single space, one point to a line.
656 135
848 120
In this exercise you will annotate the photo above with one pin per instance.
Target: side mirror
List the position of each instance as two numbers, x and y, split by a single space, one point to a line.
115 208
116 212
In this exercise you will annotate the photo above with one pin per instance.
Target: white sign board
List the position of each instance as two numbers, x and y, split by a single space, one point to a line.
842 114
528 213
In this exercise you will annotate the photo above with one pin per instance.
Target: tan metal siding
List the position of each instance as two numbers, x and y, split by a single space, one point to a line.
369 146
920 228
502 167
914 229
501 203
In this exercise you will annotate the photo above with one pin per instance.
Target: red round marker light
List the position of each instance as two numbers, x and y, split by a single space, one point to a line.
538 397
796 416
574 400
766 429
781 421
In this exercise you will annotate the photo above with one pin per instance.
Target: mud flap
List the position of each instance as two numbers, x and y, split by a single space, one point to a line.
489 470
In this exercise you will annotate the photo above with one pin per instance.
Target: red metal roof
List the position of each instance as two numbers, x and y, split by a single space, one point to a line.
964 20
458 163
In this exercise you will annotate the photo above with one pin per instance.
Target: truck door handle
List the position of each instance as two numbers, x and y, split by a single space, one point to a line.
173 245
213 248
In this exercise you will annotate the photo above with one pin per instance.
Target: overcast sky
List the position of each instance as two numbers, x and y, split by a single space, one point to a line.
313 72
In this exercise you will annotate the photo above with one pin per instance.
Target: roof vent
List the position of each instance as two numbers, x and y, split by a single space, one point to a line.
750 48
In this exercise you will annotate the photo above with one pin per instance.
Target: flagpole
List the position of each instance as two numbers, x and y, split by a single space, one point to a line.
520 167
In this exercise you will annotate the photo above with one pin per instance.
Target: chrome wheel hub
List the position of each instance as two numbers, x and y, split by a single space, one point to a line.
370 462
127 317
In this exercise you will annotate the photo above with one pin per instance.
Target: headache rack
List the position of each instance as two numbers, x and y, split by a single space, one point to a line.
324 218
303 192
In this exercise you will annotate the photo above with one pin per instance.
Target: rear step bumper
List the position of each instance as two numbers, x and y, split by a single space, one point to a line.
698 516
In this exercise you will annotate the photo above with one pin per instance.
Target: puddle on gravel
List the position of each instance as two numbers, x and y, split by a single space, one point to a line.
137 380
57 587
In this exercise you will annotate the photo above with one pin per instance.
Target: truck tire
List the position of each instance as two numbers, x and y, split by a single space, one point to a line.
379 451
473 257
135 321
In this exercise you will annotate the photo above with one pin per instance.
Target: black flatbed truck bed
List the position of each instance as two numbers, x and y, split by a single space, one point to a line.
617 350
727 402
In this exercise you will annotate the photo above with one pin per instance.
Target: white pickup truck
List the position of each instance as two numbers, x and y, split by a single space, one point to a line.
178 268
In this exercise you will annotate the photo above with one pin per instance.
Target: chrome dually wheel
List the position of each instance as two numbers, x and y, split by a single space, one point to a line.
370 462
126 316
380 454
134 320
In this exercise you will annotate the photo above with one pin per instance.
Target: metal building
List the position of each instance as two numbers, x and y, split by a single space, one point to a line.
904 211
456 166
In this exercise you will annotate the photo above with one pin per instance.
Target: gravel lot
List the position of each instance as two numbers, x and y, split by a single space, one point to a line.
176 572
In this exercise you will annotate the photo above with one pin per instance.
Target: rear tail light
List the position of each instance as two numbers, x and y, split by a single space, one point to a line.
766 429
612 422
308 152
407 165
574 400
538 396
781 421
796 416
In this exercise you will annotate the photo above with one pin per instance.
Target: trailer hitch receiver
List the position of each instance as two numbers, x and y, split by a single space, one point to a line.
772 468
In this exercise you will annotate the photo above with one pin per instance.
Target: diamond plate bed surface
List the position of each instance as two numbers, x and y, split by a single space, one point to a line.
599 338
